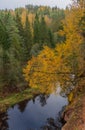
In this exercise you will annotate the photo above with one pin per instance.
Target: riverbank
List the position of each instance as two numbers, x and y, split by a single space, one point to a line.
74 114
14 98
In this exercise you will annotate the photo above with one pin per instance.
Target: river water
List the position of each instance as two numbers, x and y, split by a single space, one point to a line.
40 113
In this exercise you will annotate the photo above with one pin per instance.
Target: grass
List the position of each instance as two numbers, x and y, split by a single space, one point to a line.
15 98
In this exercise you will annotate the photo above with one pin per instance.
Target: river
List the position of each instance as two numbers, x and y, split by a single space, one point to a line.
40 113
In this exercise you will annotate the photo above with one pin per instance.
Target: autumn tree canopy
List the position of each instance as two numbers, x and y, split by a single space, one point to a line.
65 63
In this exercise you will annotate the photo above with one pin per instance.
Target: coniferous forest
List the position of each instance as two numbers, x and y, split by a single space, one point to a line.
23 34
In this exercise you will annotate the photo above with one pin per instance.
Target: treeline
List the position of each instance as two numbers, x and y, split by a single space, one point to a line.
23 34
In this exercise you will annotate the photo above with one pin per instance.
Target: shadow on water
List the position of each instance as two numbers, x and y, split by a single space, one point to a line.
40 113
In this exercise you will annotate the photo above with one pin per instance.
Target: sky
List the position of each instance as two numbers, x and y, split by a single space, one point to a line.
11 4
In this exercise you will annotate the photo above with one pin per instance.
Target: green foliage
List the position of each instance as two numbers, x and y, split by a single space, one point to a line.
36 29
19 25
23 34
10 51
27 40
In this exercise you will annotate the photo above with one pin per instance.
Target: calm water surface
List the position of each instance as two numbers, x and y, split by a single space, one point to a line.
41 113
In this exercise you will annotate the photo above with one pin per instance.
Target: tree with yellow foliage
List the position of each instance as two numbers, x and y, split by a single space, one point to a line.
65 63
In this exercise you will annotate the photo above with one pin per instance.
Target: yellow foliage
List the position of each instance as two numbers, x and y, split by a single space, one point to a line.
58 65
70 97
23 17
31 18
48 20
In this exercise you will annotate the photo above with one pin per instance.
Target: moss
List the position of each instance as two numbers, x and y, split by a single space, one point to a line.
15 98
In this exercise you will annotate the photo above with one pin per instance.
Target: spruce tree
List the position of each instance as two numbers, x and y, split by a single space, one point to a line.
27 40
43 31
36 29
11 52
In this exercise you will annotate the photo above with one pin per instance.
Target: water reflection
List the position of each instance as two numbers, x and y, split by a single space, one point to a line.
43 98
51 125
41 113
22 105
3 123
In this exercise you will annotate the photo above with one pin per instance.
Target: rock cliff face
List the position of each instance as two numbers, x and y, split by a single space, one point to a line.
74 115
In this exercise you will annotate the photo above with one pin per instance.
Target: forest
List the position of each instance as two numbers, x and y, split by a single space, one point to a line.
42 50
40 46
